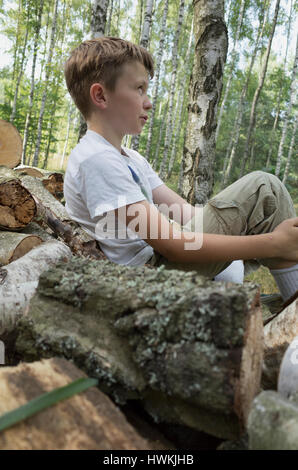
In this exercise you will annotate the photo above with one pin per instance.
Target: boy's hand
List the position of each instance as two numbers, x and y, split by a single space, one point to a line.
286 237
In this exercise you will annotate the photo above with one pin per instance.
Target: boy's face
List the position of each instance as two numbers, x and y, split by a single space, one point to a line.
128 105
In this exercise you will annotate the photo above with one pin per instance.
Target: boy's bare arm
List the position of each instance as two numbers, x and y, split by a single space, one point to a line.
152 226
163 196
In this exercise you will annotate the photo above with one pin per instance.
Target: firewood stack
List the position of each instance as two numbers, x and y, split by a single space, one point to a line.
188 349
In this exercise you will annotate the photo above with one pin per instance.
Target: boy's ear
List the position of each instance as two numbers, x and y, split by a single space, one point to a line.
98 95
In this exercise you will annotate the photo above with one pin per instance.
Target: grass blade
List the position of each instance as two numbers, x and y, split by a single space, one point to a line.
44 401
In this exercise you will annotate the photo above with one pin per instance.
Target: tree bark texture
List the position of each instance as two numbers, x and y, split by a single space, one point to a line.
19 279
86 421
286 173
211 43
189 349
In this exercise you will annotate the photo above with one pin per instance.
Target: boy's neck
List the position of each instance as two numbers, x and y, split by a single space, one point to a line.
107 134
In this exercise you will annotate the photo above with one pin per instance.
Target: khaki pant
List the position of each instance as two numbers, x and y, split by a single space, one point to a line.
254 204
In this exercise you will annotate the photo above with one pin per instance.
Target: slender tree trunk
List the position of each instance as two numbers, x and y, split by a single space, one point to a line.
232 66
21 72
273 131
157 76
180 101
16 45
108 28
286 173
98 24
144 43
293 94
231 150
69 121
211 43
169 125
253 112
44 96
31 96
161 131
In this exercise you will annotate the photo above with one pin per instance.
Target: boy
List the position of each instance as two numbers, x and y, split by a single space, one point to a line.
104 182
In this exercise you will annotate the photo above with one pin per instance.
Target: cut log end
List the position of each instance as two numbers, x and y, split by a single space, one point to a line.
14 245
10 145
17 206
251 364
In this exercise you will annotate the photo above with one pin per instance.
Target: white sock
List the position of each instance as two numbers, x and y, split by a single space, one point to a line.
286 280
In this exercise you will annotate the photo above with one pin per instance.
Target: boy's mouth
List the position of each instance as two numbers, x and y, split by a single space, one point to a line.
144 117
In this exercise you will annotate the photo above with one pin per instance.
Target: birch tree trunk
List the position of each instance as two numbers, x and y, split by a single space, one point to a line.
286 173
69 121
180 101
20 74
157 75
31 96
253 112
48 72
161 130
98 24
169 125
273 131
99 16
108 27
232 66
293 94
144 43
231 150
211 43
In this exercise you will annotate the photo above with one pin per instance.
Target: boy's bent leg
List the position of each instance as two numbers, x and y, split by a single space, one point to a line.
254 204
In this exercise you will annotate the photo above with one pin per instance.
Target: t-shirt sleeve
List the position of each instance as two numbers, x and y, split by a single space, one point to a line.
153 177
106 184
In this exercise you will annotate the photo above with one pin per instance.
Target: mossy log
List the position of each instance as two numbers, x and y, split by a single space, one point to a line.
17 206
19 279
11 144
88 420
278 334
14 245
273 422
188 348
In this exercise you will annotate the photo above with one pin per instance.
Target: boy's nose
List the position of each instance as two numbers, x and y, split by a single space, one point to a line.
147 104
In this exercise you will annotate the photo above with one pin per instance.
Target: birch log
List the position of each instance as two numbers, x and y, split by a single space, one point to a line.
14 245
10 144
278 334
86 421
188 348
19 280
273 423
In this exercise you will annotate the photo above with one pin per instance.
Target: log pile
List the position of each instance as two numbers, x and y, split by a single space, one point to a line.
189 351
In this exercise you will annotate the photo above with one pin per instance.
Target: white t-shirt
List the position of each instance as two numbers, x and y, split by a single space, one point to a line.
98 180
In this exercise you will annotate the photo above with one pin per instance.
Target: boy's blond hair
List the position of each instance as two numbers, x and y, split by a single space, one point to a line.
100 60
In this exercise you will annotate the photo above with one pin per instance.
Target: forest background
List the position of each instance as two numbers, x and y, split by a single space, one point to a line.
256 115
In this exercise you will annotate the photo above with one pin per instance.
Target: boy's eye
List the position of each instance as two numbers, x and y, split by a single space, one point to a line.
140 90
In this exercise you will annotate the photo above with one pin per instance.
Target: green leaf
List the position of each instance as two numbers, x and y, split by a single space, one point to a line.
44 401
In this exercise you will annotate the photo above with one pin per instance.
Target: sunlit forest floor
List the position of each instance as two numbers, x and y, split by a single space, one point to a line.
262 276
